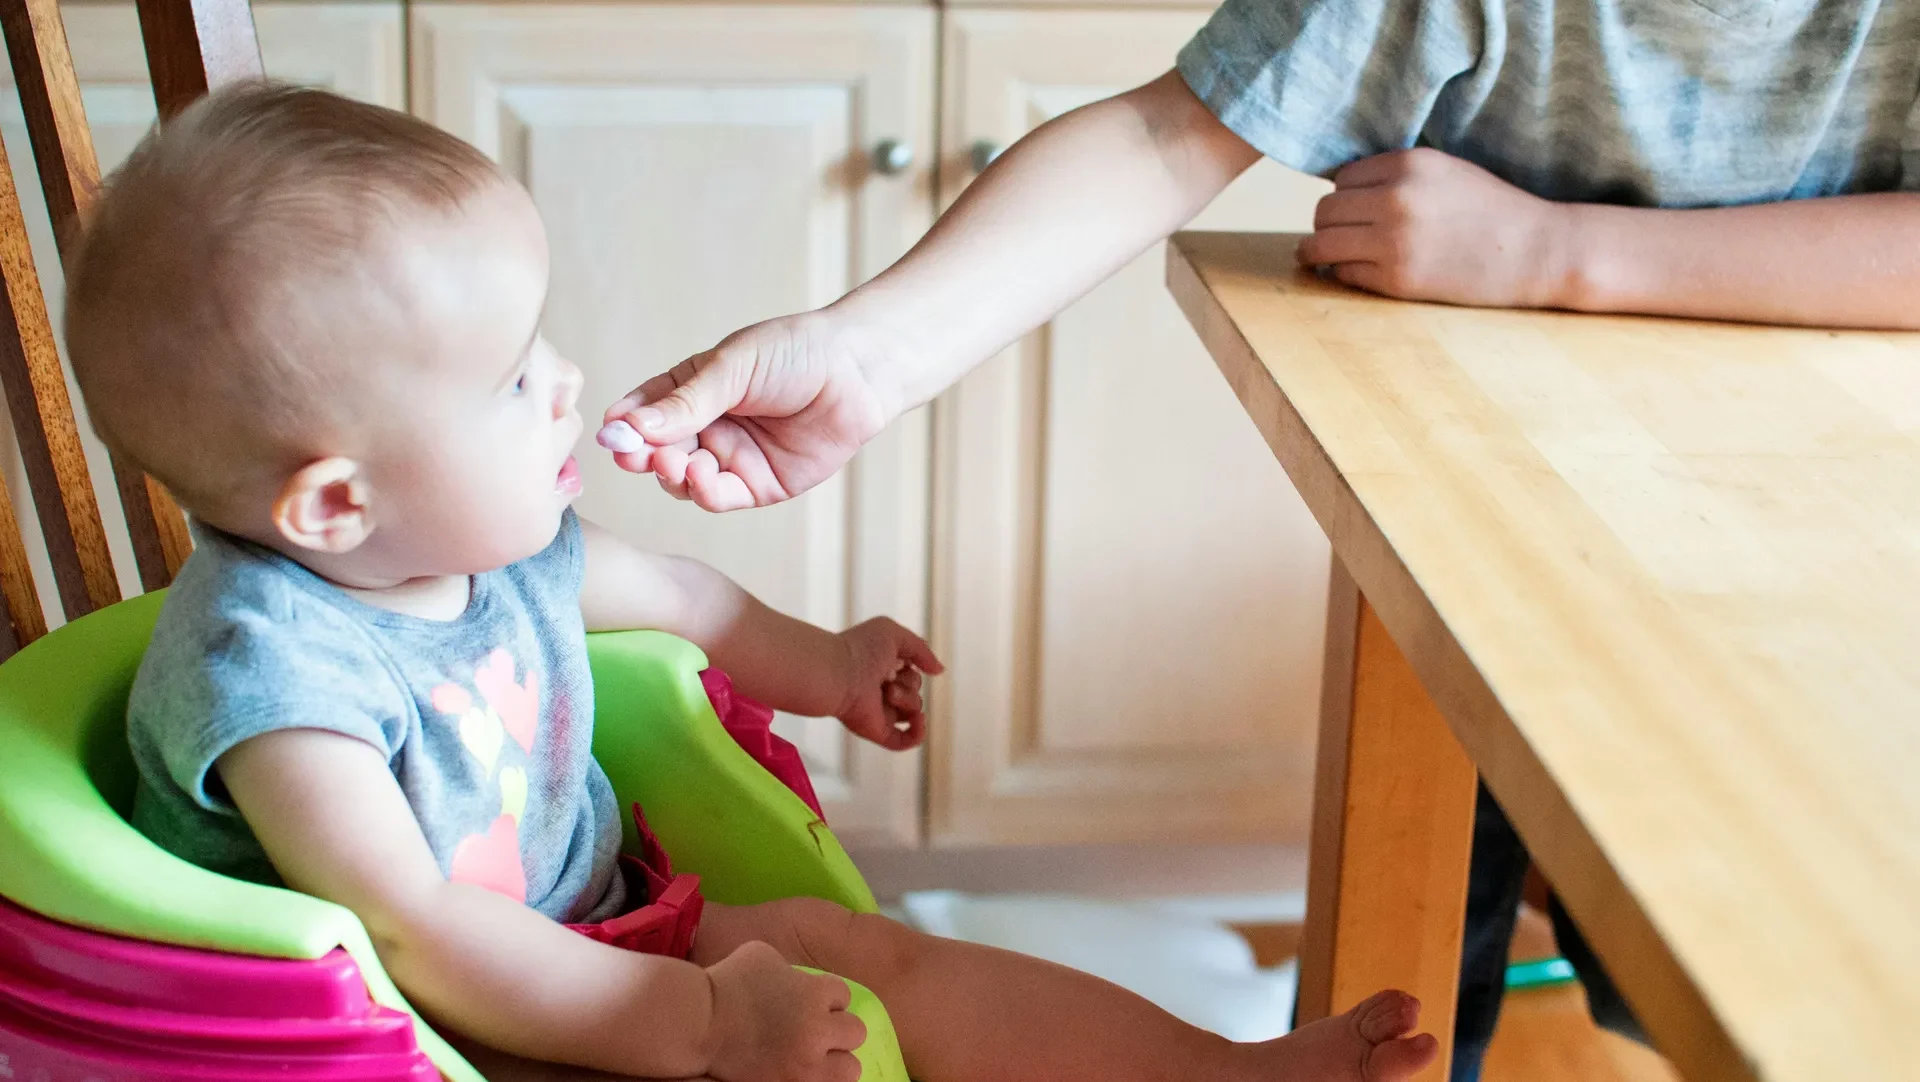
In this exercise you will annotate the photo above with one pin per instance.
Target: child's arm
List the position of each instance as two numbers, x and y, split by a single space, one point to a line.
1057 214
1062 209
330 815
867 676
1427 226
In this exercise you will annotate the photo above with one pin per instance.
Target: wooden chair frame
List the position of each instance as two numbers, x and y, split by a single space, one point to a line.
191 46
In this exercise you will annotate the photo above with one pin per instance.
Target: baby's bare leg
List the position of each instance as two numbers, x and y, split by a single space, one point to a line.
968 1013
497 1066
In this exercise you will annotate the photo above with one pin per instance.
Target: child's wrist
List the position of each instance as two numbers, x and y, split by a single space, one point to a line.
846 668
1573 244
895 360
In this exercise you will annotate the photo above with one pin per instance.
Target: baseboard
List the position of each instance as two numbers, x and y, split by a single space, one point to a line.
1240 883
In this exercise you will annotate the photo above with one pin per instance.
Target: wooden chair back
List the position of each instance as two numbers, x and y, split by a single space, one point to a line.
191 46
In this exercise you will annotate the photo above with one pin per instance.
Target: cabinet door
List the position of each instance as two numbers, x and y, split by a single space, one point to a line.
1129 594
701 168
353 48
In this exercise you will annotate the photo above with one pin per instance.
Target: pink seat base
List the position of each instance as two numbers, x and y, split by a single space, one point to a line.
92 1007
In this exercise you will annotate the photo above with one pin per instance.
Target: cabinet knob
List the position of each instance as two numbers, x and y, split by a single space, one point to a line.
892 157
982 154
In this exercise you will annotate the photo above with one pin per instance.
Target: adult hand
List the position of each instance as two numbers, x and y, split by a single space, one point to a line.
767 414
1423 225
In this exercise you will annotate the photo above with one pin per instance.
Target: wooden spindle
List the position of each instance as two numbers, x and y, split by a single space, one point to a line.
21 620
36 388
70 178
196 45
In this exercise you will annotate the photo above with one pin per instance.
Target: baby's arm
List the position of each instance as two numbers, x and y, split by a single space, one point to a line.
1426 226
330 815
867 676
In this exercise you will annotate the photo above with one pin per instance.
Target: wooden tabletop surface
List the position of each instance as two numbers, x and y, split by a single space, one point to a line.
1663 578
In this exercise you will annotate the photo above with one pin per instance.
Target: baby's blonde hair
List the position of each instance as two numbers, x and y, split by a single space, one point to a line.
197 314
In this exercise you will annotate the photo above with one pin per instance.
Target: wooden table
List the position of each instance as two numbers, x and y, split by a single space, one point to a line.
1661 581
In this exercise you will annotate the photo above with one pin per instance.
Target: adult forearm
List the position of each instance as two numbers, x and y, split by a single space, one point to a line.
1058 213
1850 261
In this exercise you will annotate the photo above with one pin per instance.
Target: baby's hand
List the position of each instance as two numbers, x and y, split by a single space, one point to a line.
773 1023
883 686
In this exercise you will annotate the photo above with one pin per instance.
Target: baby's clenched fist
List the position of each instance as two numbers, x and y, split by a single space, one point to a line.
774 1023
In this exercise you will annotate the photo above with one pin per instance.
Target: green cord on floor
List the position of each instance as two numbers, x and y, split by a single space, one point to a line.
1540 973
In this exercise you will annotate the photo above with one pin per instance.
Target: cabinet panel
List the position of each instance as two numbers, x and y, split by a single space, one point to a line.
353 48
1129 592
700 168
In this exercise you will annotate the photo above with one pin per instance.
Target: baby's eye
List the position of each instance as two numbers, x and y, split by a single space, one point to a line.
520 384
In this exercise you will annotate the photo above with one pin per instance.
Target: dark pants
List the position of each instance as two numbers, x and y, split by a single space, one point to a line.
1494 884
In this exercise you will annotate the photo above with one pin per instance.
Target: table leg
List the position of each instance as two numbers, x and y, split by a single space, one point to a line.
1392 828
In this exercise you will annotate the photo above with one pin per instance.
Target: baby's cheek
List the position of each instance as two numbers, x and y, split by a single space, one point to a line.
481 527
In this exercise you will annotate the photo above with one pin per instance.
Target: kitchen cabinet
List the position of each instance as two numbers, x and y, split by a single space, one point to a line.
1129 594
701 167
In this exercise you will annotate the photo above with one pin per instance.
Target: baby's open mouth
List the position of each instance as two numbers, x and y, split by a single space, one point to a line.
568 481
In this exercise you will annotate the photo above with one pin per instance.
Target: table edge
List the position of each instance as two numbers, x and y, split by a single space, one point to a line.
1669 1003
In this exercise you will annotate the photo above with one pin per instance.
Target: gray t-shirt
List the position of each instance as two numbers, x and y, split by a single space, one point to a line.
486 720
1673 103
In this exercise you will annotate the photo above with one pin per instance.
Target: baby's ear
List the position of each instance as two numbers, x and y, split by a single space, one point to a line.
323 507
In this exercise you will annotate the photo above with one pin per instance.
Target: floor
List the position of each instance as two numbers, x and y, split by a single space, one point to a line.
1544 1035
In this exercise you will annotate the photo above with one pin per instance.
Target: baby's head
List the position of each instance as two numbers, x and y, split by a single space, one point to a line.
316 322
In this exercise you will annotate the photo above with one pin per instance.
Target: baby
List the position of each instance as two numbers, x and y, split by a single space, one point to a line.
318 324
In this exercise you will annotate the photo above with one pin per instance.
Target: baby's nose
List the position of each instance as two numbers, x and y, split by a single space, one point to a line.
571 381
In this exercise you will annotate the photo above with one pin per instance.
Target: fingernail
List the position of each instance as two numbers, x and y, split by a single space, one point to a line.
619 437
651 419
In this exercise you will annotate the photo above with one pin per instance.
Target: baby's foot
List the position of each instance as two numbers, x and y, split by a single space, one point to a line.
1370 1043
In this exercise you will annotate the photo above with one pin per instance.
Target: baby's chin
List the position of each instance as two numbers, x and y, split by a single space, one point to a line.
526 543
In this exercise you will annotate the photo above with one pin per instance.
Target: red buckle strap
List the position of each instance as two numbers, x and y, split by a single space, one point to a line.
670 918
751 725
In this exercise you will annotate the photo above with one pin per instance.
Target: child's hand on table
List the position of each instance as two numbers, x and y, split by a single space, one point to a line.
884 665
774 1023
1423 225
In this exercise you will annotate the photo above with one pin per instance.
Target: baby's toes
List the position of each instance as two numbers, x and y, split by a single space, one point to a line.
1386 1015
1369 1043
1399 1058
